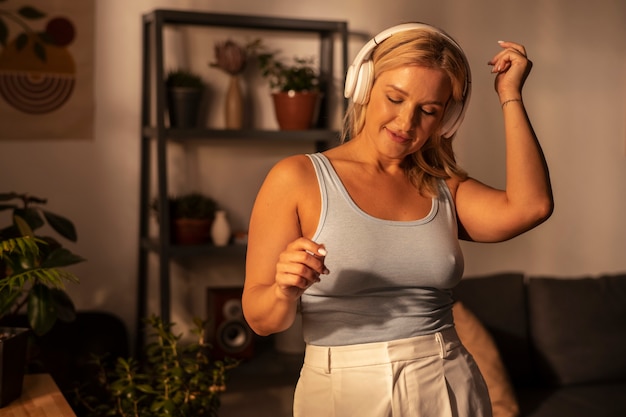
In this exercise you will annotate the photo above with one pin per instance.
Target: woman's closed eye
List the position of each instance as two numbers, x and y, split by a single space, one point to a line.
427 110
395 100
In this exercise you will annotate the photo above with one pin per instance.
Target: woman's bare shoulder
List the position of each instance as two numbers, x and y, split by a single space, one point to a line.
294 162
290 191
292 168
293 174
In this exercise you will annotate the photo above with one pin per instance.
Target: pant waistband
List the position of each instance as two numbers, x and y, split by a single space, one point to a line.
329 357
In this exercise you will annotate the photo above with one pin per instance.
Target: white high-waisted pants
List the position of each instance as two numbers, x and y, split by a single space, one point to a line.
423 376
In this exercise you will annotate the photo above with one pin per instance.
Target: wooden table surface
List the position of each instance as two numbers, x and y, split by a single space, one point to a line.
40 398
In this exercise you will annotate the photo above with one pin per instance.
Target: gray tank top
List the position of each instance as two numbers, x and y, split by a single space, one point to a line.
388 279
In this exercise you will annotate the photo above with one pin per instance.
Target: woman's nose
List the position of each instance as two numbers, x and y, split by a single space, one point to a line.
408 117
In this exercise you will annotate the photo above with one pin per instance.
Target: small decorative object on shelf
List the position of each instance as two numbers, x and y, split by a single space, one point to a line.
240 237
184 94
233 104
295 88
231 58
220 231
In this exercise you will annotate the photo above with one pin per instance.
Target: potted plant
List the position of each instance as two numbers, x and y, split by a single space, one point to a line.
191 217
184 94
175 379
31 277
295 87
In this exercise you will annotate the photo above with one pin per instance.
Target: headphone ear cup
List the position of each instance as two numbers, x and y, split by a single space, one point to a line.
348 90
452 120
363 83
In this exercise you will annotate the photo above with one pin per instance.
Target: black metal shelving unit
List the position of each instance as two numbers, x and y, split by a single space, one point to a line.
154 131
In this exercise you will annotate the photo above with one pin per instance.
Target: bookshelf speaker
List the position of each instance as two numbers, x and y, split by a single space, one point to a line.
228 332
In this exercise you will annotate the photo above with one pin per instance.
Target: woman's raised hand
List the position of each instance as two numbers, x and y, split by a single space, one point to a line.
511 66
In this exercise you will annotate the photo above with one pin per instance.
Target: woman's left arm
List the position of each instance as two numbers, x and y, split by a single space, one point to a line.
490 215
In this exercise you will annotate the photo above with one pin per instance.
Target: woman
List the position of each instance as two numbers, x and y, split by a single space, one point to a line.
363 238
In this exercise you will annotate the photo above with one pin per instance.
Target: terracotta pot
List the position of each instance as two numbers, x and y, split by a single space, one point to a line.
191 231
296 110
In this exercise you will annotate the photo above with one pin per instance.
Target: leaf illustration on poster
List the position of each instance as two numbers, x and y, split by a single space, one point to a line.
46 69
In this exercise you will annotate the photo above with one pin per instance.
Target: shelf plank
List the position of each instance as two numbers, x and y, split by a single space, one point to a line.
310 135
182 251
184 17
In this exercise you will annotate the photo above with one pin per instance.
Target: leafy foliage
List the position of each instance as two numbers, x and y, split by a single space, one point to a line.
183 78
193 206
39 39
20 17
176 380
31 271
298 76
189 206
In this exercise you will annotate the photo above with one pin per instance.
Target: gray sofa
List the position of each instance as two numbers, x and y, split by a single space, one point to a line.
562 340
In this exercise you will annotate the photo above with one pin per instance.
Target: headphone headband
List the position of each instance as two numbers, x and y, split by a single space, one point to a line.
360 75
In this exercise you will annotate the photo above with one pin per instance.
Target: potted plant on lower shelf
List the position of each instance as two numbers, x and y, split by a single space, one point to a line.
31 276
174 379
295 88
191 217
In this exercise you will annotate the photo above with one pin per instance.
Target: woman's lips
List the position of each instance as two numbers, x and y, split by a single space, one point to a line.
398 137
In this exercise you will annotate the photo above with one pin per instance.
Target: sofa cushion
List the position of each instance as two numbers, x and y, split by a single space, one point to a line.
481 346
499 303
579 328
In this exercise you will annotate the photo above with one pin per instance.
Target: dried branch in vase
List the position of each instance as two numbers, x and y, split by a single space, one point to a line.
230 57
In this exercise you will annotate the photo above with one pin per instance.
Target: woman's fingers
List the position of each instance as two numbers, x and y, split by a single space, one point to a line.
300 266
515 46
511 52
512 66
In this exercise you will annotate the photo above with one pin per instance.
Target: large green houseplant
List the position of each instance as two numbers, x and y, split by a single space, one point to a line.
31 264
31 276
295 86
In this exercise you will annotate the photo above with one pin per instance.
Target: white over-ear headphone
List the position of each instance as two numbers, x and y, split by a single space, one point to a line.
360 75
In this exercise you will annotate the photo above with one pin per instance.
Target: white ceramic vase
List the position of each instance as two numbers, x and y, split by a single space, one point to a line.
220 230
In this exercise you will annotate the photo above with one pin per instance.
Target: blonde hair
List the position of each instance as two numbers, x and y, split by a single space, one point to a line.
426 48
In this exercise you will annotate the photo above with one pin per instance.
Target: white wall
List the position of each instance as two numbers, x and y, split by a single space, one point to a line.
576 97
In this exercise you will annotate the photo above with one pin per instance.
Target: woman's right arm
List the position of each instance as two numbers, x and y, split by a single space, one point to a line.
280 263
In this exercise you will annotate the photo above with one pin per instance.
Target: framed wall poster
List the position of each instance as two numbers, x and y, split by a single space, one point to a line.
46 69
